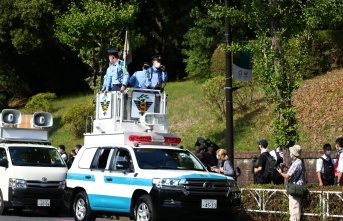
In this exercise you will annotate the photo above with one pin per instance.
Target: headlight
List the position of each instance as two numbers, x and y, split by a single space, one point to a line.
161 182
232 183
62 185
17 183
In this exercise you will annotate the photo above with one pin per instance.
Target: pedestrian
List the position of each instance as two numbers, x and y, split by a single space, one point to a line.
62 151
338 169
295 175
205 157
259 171
77 148
156 74
224 165
325 167
71 158
277 154
138 79
117 77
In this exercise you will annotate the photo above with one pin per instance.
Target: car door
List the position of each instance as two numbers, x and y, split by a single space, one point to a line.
120 181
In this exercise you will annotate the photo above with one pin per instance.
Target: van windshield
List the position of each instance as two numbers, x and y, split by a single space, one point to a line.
36 157
153 158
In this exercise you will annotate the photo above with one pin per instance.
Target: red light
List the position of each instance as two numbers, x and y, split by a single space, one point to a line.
140 138
176 140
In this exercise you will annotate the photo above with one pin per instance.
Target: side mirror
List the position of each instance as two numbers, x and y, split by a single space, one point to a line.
4 163
238 172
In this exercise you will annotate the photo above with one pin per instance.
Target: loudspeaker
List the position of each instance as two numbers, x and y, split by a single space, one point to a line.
10 116
42 119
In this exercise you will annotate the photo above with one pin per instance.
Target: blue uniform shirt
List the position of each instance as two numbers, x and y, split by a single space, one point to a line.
155 75
138 79
116 74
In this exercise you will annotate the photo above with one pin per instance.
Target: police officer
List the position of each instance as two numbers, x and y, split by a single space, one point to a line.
117 77
138 79
156 74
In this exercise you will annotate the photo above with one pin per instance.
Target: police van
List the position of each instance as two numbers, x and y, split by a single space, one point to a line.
130 165
32 171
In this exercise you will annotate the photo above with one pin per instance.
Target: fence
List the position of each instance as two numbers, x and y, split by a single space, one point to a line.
325 205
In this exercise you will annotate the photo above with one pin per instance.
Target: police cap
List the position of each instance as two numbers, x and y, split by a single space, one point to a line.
156 58
145 64
112 52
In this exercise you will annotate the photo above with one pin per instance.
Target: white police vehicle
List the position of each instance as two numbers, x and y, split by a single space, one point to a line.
131 166
32 172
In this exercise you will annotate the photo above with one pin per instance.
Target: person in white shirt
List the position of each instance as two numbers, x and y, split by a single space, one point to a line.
325 167
339 163
277 154
62 151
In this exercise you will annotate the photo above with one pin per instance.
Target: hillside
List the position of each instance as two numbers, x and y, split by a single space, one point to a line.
317 101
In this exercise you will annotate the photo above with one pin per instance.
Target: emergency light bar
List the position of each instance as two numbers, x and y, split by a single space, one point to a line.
154 139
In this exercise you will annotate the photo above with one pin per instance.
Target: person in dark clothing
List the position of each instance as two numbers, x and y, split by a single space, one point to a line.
261 163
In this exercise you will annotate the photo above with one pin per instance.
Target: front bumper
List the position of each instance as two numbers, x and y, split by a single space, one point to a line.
28 198
176 203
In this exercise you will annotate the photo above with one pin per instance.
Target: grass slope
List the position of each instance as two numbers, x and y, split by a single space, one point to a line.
318 102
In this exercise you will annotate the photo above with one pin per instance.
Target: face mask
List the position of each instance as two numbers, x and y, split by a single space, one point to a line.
157 65
328 152
291 155
217 157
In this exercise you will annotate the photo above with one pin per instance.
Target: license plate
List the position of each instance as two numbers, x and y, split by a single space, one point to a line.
209 204
43 202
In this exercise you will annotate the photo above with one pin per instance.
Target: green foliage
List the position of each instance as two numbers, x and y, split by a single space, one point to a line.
26 22
92 27
3 101
41 102
74 119
214 94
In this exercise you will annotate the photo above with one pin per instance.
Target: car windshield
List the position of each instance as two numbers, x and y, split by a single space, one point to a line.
149 158
36 156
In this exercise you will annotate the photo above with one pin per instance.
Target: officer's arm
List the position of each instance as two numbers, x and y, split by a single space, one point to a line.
133 79
164 76
148 79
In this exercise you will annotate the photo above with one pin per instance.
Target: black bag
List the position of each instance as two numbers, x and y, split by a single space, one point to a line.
328 176
296 190
270 169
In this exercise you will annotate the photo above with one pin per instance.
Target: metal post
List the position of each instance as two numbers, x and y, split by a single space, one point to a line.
229 105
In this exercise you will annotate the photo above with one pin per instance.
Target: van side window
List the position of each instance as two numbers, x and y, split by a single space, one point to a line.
3 155
122 160
100 158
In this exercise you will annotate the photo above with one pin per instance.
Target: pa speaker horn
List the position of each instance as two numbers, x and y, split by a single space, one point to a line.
42 119
10 116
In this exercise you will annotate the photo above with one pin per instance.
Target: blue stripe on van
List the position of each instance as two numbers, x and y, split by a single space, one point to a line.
78 176
109 203
128 181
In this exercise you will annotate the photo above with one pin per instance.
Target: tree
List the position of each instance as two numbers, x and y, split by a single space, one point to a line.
93 27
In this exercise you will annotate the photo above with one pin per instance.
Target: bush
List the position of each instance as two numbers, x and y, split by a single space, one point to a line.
74 119
41 102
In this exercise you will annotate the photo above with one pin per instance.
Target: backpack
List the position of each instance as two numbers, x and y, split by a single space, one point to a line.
328 176
270 168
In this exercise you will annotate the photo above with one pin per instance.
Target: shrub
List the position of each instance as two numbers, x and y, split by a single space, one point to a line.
41 102
74 119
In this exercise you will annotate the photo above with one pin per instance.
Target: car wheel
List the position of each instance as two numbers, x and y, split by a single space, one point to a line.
144 210
3 209
81 208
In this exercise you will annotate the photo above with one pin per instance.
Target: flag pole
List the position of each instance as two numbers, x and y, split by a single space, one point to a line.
125 48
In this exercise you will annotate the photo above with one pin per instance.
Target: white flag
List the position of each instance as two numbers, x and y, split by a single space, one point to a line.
127 55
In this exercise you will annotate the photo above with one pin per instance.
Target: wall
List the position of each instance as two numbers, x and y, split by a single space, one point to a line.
243 160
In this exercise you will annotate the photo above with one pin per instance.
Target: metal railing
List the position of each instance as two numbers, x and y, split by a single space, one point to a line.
325 208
